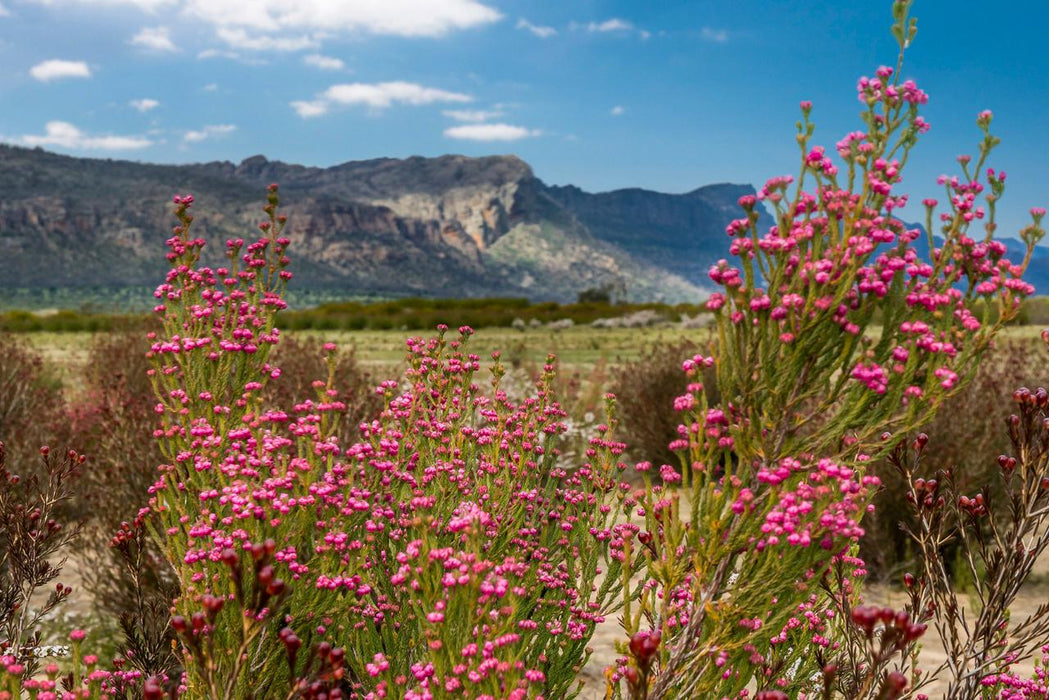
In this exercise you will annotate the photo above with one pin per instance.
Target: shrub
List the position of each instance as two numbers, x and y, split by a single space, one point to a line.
645 390
131 586
305 361
32 536
998 549
748 562
445 550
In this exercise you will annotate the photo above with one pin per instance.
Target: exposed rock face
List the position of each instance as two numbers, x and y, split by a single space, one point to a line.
448 226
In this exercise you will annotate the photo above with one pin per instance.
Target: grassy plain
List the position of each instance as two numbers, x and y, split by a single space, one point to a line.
578 347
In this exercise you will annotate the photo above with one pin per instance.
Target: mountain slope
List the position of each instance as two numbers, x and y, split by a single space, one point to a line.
684 234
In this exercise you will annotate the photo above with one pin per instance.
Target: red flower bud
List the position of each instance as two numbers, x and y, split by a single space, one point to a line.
152 690
643 646
230 558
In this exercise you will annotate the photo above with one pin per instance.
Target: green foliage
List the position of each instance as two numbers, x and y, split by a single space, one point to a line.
425 314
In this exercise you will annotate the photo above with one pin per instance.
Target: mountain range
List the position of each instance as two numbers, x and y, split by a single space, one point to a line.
451 226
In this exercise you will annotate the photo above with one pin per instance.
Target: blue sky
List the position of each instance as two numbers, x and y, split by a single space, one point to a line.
663 94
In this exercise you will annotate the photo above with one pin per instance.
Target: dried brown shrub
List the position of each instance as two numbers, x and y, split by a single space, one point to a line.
645 390
32 405
968 432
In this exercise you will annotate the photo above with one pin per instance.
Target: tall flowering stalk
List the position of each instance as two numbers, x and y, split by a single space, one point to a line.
446 554
832 327
208 368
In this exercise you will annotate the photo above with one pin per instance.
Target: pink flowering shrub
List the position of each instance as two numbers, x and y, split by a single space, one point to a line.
81 677
831 329
445 554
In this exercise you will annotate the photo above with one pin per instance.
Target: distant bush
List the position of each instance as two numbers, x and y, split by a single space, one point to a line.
645 390
113 421
305 361
406 314
417 313
425 314
32 405
70 322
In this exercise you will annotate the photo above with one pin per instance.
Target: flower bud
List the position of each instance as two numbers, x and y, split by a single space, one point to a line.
230 558
151 689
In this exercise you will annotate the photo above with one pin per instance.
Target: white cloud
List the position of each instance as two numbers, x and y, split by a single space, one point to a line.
376 96
396 17
309 109
472 115
4 12
717 36
65 135
490 132
242 39
382 95
611 25
409 18
539 30
618 110
215 53
155 39
231 55
56 69
145 104
323 62
614 25
208 132
148 6
211 87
